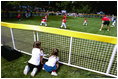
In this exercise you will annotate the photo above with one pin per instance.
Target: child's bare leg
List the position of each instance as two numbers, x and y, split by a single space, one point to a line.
57 65
101 27
108 28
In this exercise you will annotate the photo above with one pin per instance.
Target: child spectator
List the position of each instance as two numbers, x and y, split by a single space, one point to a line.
105 21
52 64
63 23
19 16
36 59
85 22
43 21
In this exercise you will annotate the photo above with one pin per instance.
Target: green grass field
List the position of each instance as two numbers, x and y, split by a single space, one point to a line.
24 40
72 24
14 69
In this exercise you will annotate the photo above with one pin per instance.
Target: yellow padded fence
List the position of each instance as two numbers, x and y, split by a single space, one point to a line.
76 34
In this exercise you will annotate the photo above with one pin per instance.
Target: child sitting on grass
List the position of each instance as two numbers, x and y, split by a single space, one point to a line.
52 64
36 59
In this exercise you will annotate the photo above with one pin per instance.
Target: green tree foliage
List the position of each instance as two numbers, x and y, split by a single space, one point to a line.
70 6
85 9
74 6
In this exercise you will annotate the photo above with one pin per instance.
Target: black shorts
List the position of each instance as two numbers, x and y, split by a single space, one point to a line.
106 23
31 66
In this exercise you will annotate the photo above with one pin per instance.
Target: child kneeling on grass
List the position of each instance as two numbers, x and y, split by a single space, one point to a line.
36 59
52 64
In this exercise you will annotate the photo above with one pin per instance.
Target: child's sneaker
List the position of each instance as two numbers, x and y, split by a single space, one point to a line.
54 73
34 72
43 68
26 70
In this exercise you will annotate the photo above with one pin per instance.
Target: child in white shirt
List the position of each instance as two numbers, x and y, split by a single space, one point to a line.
36 59
52 64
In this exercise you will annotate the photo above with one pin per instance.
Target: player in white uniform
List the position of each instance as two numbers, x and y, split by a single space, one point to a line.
36 59
52 64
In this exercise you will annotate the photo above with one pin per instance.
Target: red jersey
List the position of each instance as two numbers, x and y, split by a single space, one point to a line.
64 17
105 19
18 16
64 20
43 20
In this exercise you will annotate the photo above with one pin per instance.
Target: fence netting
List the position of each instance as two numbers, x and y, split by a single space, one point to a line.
50 41
85 53
90 54
114 66
6 36
23 40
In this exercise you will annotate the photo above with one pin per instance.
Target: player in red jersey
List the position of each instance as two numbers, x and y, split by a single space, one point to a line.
65 17
19 16
63 23
105 21
85 22
43 21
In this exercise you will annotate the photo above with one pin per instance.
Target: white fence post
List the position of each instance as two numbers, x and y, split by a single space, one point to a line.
12 37
70 50
34 35
111 59
37 36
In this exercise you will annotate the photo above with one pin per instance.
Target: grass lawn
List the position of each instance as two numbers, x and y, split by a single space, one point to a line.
72 24
24 40
14 69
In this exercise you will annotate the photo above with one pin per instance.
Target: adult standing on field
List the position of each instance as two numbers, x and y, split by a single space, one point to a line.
105 21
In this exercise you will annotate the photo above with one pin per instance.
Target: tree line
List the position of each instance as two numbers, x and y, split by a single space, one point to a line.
109 7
